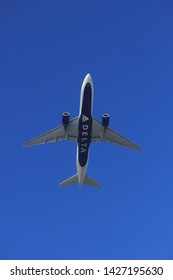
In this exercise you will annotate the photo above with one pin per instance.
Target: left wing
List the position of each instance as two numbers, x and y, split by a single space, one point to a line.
99 133
70 133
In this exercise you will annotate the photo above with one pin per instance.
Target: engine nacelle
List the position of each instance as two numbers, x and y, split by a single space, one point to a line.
65 118
105 120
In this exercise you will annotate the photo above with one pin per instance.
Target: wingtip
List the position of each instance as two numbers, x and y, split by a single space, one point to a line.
136 147
139 149
25 145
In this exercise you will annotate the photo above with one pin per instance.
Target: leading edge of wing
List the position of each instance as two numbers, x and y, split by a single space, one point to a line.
111 136
69 133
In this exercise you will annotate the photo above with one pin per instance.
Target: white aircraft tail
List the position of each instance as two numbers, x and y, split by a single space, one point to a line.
74 180
90 182
70 181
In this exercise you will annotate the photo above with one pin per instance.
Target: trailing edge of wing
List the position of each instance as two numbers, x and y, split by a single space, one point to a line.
69 133
111 136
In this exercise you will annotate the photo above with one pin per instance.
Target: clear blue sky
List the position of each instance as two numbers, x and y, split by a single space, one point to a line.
46 49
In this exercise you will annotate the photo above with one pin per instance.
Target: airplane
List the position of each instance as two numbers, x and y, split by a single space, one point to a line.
83 129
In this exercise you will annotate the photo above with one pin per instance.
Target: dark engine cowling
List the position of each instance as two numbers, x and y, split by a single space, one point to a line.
105 120
65 118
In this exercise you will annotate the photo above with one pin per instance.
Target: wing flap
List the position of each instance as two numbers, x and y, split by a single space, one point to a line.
115 138
69 133
109 135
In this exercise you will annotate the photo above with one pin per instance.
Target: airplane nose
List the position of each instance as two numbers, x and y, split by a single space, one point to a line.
88 78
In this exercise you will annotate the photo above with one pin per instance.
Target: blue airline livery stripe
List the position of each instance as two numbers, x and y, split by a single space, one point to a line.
85 126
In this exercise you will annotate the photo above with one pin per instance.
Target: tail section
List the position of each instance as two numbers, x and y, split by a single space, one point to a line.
70 181
90 182
74 180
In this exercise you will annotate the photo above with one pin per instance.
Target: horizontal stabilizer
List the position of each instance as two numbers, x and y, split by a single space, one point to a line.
90 182
70 181
74 180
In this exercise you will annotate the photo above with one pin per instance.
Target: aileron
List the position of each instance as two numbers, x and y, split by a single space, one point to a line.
56 134
99 133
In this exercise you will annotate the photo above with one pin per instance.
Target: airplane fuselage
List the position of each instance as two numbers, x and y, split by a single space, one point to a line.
84 127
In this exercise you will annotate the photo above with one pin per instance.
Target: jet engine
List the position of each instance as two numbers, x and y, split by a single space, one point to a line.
65 118
105 120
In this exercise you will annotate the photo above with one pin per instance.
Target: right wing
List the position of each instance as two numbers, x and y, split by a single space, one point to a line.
109 135
70 133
